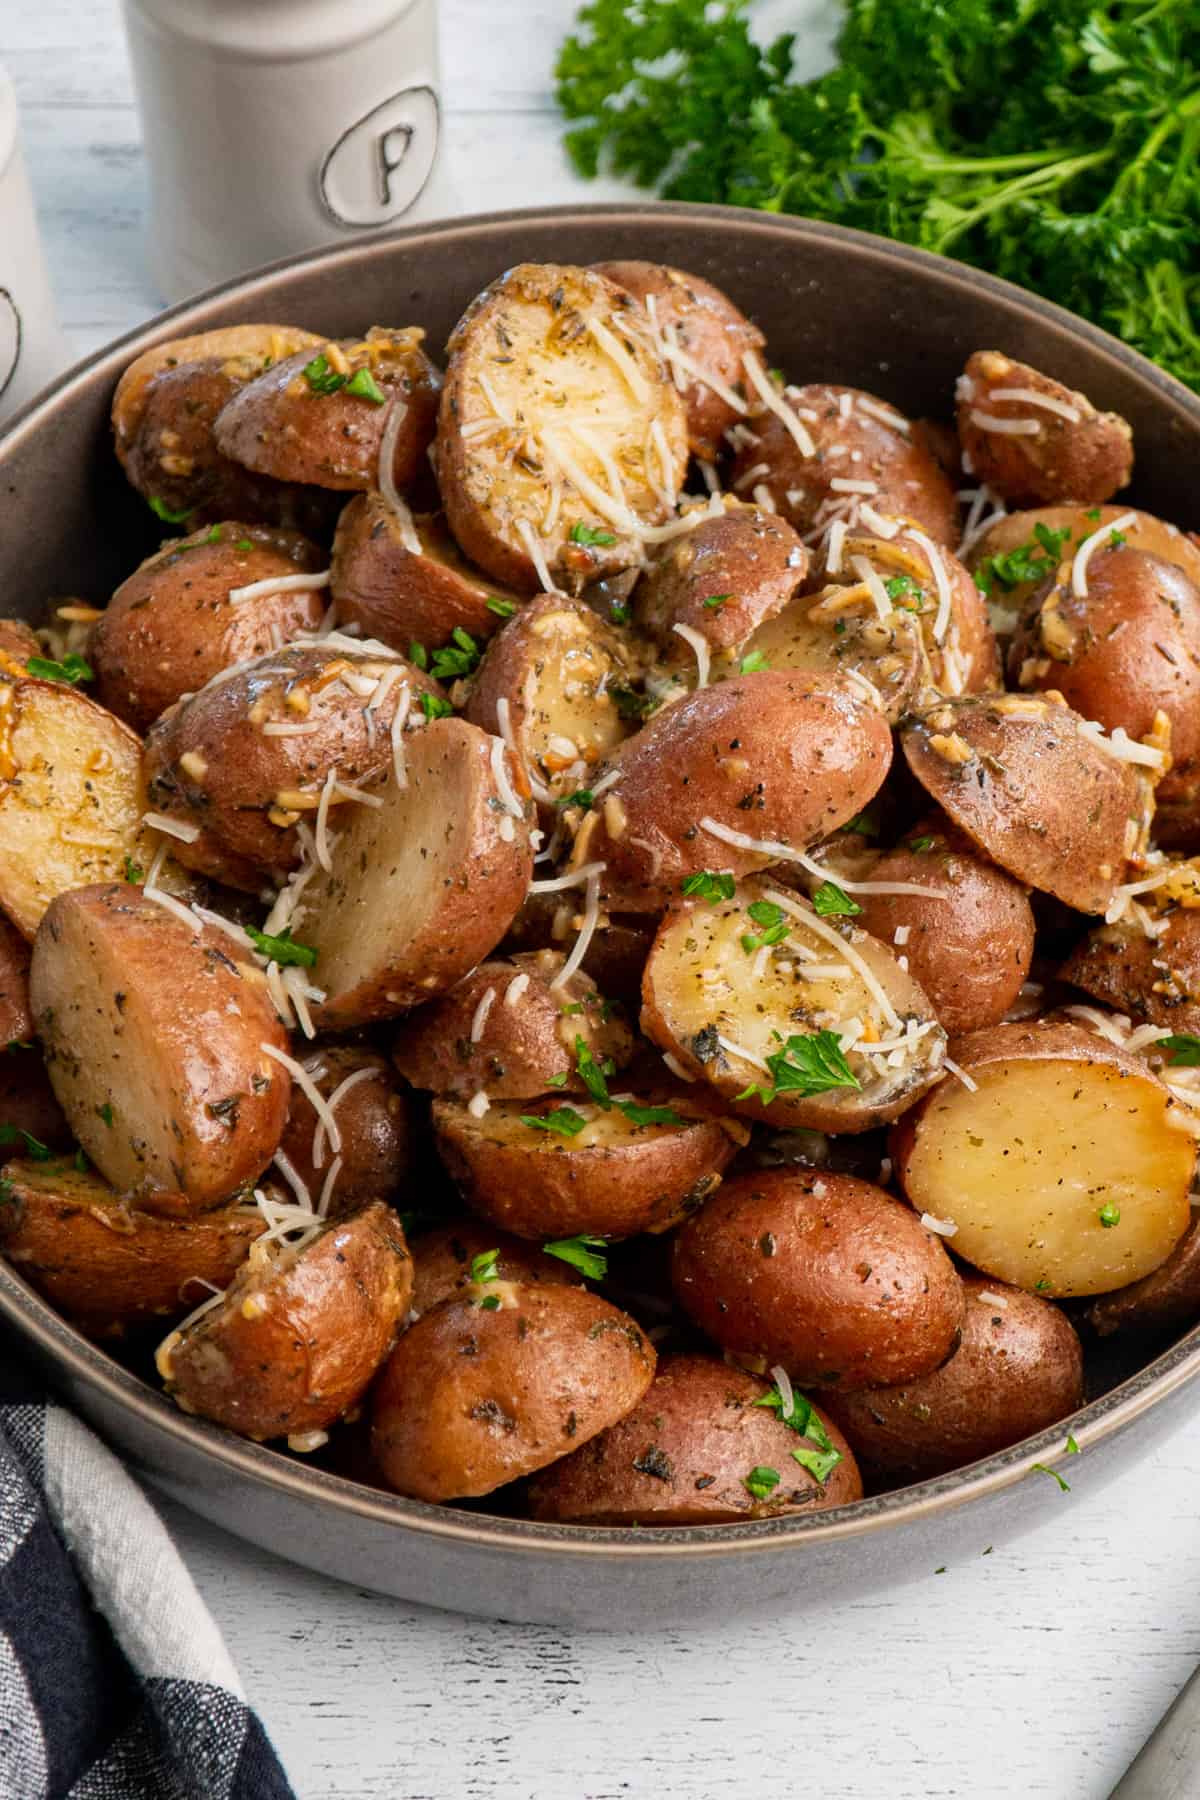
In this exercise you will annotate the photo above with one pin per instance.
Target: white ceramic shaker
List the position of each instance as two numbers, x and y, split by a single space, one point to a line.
272 126
32 348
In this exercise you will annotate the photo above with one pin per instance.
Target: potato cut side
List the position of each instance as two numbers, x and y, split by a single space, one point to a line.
71 797
723 1002
425 885
1030 1164
840 630
561 438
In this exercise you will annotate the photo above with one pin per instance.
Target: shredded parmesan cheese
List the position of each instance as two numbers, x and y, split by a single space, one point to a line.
699 645
591 918
774 402
279 584
309 1089
1083 555
479 1018
940 1227
187 834
1031 397
1005 427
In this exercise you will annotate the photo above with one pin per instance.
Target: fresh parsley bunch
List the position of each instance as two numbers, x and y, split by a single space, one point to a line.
1054 142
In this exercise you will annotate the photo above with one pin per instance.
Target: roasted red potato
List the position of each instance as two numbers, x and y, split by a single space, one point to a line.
406 582
1033 440
375 1148
721 582
444 1258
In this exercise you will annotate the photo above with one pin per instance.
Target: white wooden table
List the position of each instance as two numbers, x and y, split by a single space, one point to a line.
1033 1671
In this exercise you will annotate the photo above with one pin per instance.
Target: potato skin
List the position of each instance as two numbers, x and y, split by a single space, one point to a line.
378 1132
1168 1299
1085 459
18 640
28 1102
967 985
521 1050
1017 1370
442 1262
471 1399
539 1185
752 558
681 1457
399 597
1035 793
16 1019
299 1335
279 425
822 1273
170 626
107 1266
615 957
910 483
1156 980
160 1030
209 763
783 756
708 326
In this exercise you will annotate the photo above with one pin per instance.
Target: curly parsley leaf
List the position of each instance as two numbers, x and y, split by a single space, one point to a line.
564 1120
1184 1048
588 534
807 1065
282 949
831 901
583 1253
708 884
33 1147
72 669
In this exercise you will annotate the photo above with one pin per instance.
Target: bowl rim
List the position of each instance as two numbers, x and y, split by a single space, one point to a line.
77 1357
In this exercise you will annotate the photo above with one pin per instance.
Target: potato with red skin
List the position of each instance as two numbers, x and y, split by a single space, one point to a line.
513 1050
839 631
378 1133
156 1039
16 1019
282 425
614 958
1017 1370
472 1398
163 414
683 1456
970 951
737 569
28 1102
614 1177
1024 781
401 595
300 1333
786 757
821 1273
909 482
1086 457
1071 524
1155 980
106 1265
17 640
708 327
210 763
171 625
1168 1299
442 1260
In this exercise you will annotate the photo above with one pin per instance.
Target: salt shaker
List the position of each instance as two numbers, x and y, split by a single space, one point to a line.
32 348
272 126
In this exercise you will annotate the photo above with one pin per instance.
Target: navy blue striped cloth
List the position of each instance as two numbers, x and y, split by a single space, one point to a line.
115 1683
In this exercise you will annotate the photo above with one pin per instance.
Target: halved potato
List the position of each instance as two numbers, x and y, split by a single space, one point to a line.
159 1045
16 1019
839 630
171 626
1168 1299
1017 1369
1045 536
402 594
1030 438
685 313
18 640
773 756
1156 979
425 885
474 1396
699 1448
551 684
444 1257
377 1132
507 1030
71 797
737 569
320 416
1064 1167
616 952
1026 781
578 1168
723 1002
106 1265
300 1332
561 439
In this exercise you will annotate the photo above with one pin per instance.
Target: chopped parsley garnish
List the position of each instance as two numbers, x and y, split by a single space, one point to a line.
244 544
754 663
557 1081
15 1134
564 1120
1032 561
162 511
503 609
363 385
582 797
418 654
282 949
831 901
588 534
775 926
133 871
592 1074
1045 1469
619 612
72 669
434 707
105 1113
629 705
812 1064
898 587
320 377
1109 1215
761 1482
583 1253
805 1420
1093 512
920 845
649 1115
716 601
81 1162
490 1303
1043 1286
1072 1446
484 1266
457 658
214 536
1184 1048
708 884
863 824
1116 539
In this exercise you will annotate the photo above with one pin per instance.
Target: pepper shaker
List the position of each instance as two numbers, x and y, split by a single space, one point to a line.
273 126
32 348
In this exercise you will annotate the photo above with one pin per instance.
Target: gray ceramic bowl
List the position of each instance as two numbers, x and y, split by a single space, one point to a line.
837 306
